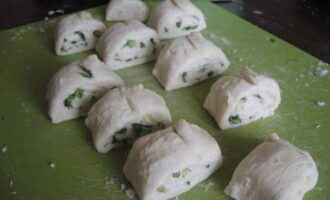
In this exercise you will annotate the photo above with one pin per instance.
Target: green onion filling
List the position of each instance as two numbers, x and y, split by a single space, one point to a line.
130 43
235 119
162 189
85 72
184 77
77 94
97 33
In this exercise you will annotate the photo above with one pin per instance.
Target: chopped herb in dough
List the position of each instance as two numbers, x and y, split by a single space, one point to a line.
258 96
208 166
188 182
184 77
85 72
121 131
235 119
178 24
97 33
185 172
202 70
130 43
77 94
139 128
166 30
176 174
188 28
210 74
162 189
161 125
142 45
81 35
243 100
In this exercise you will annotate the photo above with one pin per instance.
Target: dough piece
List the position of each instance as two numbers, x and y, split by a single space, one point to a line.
127 44
242 98
123 10
124 114
76 33
174 18
189 60
169 162
75 87
274 170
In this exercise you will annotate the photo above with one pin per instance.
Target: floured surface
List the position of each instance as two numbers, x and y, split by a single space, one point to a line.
30 143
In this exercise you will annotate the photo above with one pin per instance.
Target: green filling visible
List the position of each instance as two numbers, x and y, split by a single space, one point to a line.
130 43
258 96
161 125
142 45
139 128
178 24
188 28
97 33
202 70
121 131
154 46
188 182
77 94
162 189
166 30
185 172
235 119
176 174
208 166
184 77
85 72
81 35
244 99
210 74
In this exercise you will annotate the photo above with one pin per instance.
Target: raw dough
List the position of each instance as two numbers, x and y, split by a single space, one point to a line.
123 10
275 170
171 161
174 18
127 44
242 98
75 87
189 60
76 33
124 114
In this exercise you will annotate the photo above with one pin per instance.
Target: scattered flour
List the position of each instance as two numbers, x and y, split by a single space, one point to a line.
321 103
112 181
130 193
11 183
218 39
4 149
209 185
51 165
122 186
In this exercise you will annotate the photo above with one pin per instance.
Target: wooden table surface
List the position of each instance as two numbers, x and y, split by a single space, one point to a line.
303 23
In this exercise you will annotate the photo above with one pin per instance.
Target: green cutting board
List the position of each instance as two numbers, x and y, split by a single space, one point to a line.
27 62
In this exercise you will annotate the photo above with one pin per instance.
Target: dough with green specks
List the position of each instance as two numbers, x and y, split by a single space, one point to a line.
241 98
188 60
170 162
123 10
75 87
273 170
127 44
124 114
174 18
77 33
